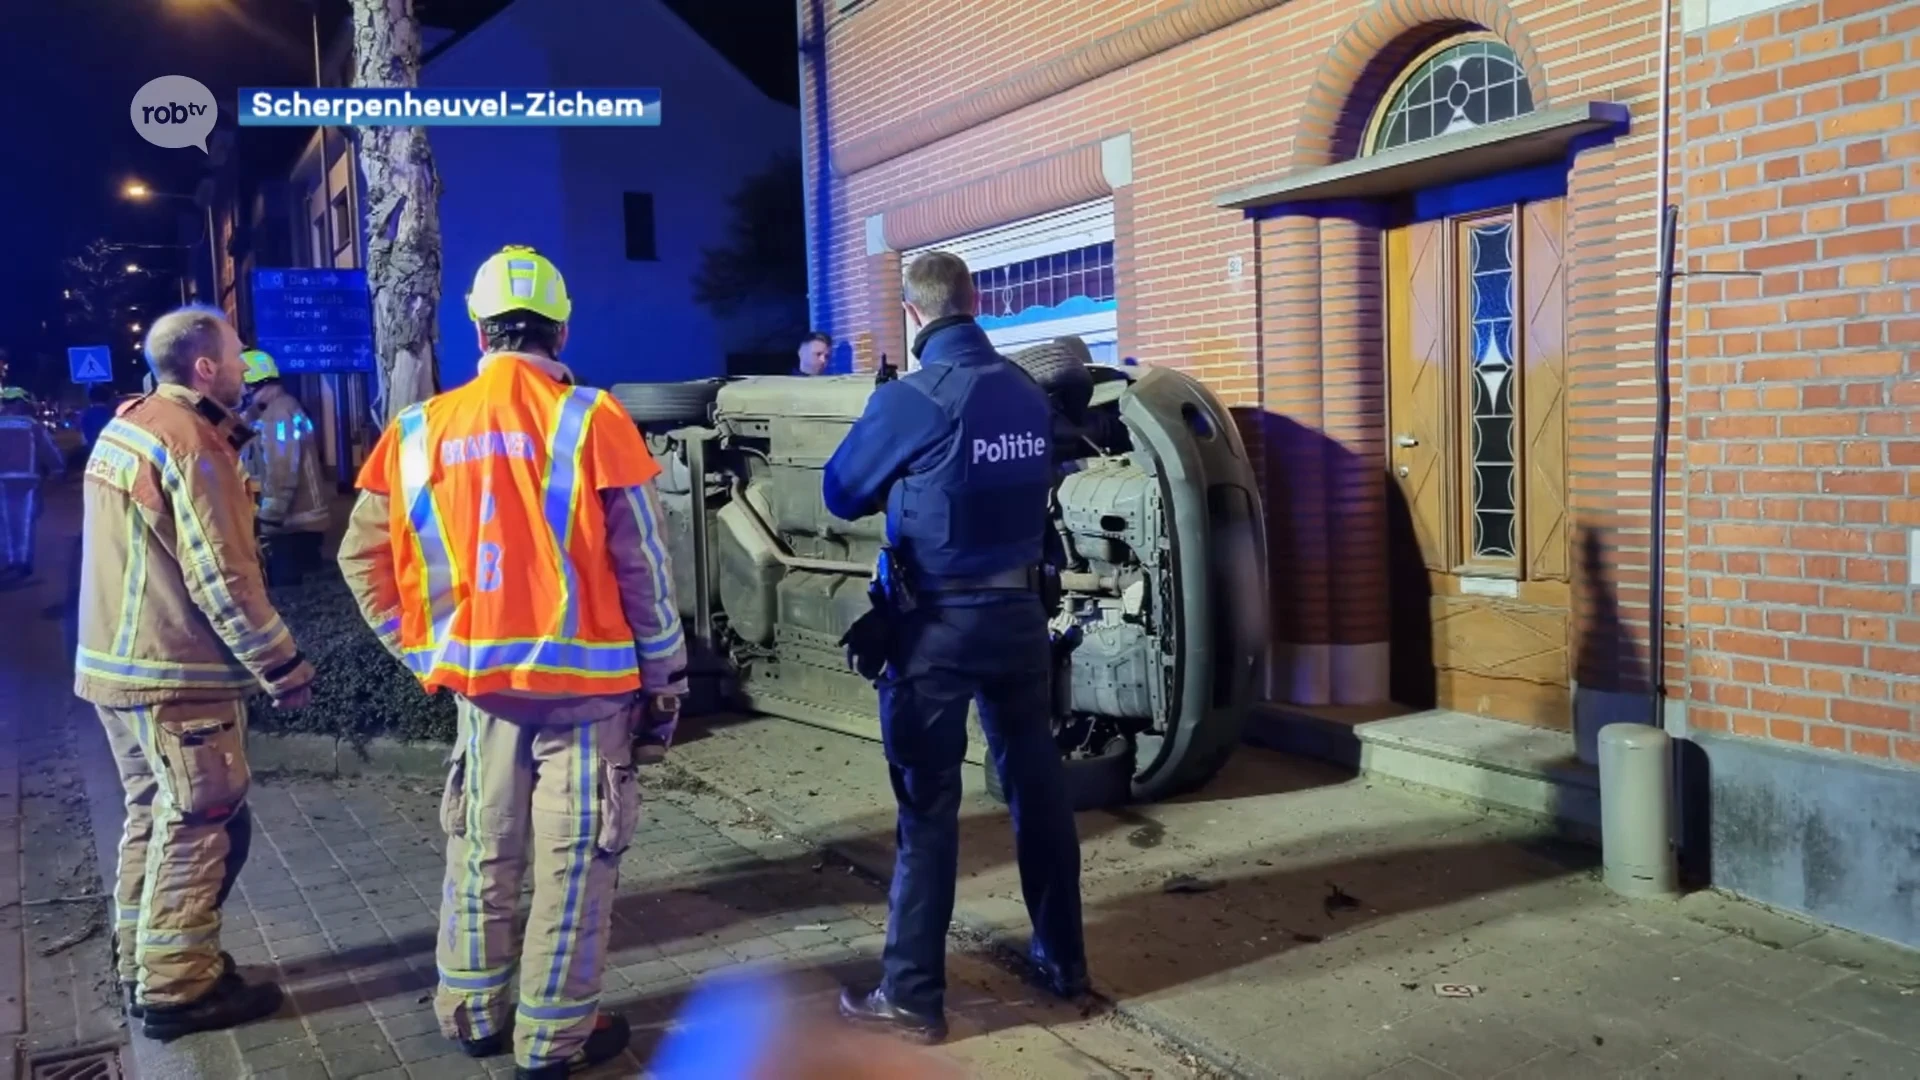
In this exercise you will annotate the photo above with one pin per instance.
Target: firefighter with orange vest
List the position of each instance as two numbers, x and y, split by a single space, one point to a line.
507 545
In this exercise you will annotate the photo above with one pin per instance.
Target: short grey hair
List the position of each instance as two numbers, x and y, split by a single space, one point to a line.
939 284
179 338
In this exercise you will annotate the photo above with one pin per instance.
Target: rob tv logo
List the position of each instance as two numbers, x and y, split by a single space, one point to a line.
175 111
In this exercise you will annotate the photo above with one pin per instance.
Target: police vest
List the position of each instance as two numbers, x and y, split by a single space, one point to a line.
981 508
500 535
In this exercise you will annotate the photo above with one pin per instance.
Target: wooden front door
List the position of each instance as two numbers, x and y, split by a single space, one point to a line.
1476 428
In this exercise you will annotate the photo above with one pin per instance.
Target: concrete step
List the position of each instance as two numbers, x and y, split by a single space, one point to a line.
1491 763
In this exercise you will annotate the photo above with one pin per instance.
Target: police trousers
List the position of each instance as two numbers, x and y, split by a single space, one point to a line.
184 768
996 655
566 799
19 513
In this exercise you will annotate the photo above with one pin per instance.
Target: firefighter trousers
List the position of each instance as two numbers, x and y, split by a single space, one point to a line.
566 799
19 513
183 766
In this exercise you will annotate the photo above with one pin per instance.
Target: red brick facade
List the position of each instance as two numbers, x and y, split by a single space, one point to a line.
1787 610
1802 162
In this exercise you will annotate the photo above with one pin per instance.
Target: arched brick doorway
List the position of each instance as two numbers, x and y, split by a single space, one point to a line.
1414 361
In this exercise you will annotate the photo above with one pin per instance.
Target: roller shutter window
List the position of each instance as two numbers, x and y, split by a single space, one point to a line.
1044 277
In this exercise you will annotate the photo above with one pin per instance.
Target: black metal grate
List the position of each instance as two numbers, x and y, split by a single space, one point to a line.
94 1064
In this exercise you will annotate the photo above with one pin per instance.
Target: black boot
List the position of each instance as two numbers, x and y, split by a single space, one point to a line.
1064 981
608 1041
486 1047
131 990
875 1009
231 1003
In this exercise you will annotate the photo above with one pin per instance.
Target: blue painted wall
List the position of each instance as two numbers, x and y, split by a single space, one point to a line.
561 190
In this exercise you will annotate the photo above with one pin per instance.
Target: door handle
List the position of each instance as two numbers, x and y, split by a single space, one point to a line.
1404 471
1405 441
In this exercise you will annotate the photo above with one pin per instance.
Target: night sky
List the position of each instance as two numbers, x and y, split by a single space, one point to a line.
68 72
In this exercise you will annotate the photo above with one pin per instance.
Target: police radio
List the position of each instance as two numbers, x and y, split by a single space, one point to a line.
886 372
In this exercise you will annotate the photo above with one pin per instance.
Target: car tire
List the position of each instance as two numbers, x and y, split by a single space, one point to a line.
668 403
1099 782
1061 368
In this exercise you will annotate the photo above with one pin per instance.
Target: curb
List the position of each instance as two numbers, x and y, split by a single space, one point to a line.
1008 947
299 752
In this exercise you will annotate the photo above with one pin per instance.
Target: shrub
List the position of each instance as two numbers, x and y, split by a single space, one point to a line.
361 691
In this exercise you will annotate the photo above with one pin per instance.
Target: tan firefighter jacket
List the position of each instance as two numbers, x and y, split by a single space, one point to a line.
284 460
173 606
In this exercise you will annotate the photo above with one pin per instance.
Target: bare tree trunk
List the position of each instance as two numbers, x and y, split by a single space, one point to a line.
403 212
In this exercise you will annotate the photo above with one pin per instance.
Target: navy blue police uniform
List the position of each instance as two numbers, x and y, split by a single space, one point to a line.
958 453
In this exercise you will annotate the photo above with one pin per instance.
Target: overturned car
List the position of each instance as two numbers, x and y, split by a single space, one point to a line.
1163 624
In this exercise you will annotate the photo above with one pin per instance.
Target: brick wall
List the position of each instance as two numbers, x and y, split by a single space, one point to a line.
1226 108
1803 168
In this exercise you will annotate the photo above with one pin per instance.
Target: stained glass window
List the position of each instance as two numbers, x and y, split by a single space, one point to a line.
1049 281
1465 85
1490 389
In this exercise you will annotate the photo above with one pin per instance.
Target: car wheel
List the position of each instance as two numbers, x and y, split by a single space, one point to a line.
668 403
1061 368
1095 782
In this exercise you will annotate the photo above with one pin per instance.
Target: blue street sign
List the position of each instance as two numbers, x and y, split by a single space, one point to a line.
314 321
90 364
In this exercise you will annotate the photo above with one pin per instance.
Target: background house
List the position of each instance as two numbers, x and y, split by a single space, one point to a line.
627 213
1414 244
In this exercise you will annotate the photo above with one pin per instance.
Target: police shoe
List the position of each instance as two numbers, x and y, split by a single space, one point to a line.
232 1002
608 1041
1067 982
874 1009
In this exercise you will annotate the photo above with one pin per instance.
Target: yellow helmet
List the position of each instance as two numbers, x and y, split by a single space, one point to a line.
518 278
260 366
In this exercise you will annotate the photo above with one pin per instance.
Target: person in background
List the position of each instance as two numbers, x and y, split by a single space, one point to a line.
97 414
27 455
958 453
175 633
508 546
815 350
284 461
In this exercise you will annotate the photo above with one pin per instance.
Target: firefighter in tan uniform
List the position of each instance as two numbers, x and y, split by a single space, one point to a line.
27 455
284 460
507 546
175 633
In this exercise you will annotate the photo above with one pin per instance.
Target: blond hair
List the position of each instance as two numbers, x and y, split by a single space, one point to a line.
939 284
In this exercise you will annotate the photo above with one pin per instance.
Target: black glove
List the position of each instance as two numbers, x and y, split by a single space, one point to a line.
655 718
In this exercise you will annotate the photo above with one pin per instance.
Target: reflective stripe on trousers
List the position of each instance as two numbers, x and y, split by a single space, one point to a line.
569 794
19 509
185 840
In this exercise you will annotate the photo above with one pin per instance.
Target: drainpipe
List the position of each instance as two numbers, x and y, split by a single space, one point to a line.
1662 396
818 188
806 174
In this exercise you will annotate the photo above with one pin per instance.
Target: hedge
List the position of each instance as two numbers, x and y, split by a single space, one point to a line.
362 691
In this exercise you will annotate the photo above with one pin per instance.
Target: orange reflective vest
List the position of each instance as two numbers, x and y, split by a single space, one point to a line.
499 534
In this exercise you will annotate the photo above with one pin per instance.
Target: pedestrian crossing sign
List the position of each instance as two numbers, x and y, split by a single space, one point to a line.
90 363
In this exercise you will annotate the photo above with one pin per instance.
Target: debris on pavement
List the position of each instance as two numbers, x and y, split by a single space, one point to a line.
1337 899
63 944
1456 990
1188 883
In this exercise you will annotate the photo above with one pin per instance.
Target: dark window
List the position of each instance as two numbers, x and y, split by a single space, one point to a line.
1464 85
639 215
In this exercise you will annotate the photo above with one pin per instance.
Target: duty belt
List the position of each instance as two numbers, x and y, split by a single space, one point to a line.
1022 578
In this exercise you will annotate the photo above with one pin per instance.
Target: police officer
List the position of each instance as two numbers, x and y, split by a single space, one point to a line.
508 546
957 454
284 460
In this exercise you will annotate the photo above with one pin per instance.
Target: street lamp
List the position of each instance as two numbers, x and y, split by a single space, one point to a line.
138 191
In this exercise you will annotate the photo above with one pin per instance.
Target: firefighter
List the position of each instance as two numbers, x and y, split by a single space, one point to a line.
175 633
27 455
284 460
507 546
